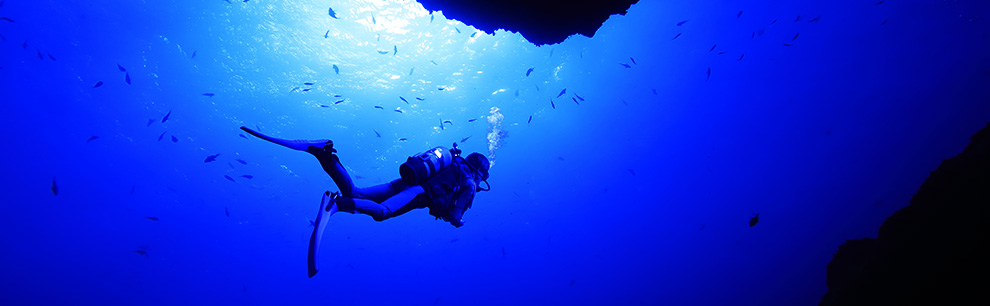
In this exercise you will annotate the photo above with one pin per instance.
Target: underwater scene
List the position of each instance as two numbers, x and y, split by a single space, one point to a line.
689 153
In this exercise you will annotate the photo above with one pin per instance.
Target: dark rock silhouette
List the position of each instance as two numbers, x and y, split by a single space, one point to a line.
539 21
932 252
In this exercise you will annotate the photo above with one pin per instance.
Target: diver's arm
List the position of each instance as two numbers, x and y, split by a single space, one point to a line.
462 202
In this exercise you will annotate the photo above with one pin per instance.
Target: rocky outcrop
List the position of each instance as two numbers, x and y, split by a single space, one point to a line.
539 21
932 252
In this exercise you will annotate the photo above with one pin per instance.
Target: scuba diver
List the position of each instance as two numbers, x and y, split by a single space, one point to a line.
438 179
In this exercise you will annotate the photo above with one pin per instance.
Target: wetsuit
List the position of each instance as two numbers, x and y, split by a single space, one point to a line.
446 200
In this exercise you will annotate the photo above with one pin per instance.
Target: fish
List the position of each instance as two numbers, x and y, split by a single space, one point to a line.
572 283
721 52
193 55
761 32
395 50
226 212
324 105
431 18
676 36
121 68
229 178
434 63
373 21
753 35
50 56
654 91
879 3
24 45
474 34
465 139
787 45
815 19
230 165
579 97
625 65
382 52
796 36
166 116
529 71
336 96
458 30
403 139
132 188
739 14
631 171
798 18
379 135
311 223
398 110
127 78
327 34
91 138
403 99
174 139
741 56
551 104
441 124
161 136
517 93
709 74
150 121
503 251
152 218
209 94
448 122
41 57
241 161
774 21
575 101
54 187
562 92
141 252
754 220
336 69
472 120
98 84
421 99
338 102
411 70
681 23
633 60
242 136
551 53
308 83
294 89
441 88
332 14
379 107
247 176
530 119
7 19
713 48
307 89
211 158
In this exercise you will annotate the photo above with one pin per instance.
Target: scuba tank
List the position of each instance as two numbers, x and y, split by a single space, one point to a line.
422 166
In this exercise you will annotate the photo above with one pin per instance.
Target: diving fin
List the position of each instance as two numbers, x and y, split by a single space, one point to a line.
301 145
327 208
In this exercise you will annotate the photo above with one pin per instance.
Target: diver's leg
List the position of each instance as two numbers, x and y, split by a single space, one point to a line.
323 150
391 207
381 192
331 164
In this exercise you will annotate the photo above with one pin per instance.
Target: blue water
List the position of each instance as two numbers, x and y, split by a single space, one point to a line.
641 194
